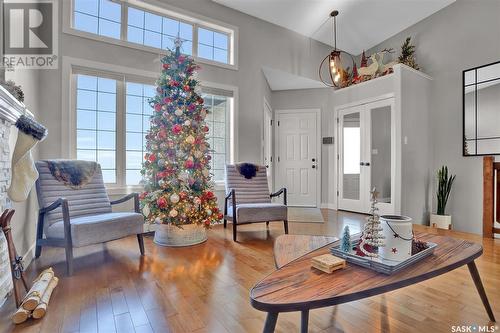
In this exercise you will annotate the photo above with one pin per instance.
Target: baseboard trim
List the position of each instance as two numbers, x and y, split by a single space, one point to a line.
328 206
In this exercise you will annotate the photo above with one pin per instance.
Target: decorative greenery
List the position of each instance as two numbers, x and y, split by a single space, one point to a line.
444 188
407 56
346 245
176 165
14 90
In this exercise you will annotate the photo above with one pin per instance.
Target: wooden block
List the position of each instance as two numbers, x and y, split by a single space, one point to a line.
328 263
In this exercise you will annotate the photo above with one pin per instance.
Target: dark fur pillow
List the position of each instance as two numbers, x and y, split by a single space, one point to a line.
247 170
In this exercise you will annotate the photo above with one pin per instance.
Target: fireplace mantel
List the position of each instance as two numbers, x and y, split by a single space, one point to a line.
10 108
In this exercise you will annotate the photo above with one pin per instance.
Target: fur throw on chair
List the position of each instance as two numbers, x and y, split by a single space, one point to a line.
72 173
247 170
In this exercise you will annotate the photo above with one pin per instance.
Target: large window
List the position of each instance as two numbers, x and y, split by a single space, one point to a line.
154 28
113 117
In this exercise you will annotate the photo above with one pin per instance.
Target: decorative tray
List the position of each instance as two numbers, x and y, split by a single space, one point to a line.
382 265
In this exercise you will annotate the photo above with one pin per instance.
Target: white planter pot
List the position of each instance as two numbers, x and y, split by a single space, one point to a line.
441 221
186 235
398 237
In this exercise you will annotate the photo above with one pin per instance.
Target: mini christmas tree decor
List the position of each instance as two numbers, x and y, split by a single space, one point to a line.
407 56
364 60
177 160
346 245
372 237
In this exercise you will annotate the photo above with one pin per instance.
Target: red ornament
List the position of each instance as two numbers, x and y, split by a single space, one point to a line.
186 87
151 158
167 100
161 202
181 58
176 129
157 107
183 195
207 222
191 107
166 66
189 164
209 195
205 129
162 134
220 216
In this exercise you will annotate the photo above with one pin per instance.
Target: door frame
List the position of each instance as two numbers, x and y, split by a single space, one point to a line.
266 108
319 169
334 172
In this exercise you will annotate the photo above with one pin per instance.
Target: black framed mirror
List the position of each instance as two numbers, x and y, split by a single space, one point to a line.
481 110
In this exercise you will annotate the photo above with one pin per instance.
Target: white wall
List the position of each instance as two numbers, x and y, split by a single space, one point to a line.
460 36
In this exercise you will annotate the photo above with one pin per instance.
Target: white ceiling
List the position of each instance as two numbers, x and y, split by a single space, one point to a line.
361 24
280 80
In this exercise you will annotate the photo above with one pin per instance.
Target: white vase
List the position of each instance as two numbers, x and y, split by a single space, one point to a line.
398 237
441 221
185 235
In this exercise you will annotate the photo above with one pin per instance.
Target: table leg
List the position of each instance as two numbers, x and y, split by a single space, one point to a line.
480 289
304 321
270 324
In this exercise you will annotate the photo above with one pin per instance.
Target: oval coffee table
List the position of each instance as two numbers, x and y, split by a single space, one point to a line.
296 286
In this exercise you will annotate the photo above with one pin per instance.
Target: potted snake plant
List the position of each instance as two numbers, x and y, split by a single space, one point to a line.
445 182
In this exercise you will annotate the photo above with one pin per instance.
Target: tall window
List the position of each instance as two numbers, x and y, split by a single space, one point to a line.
138 112
96 123
156 28
218 135
158 31
113 118
101 17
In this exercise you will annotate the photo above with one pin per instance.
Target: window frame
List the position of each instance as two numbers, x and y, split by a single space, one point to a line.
154 7
74 66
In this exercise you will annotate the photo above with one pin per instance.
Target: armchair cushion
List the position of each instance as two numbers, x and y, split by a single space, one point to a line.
259 212
94 229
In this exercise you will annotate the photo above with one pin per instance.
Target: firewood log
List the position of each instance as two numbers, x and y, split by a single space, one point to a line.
41 309
20 316
34 295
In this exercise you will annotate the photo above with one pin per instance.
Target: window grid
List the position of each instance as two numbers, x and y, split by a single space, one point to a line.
101 148
143 92
217 135
191 46
99 18
166 40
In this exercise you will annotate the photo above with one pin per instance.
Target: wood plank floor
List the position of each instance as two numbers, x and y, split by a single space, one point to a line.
205 288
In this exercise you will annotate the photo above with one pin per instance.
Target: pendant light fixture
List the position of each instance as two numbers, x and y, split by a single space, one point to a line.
337 74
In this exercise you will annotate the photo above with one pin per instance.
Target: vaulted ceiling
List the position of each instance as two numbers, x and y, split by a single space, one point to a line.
361 24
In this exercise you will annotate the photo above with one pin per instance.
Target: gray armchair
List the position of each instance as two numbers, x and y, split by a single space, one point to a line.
249 201
71 217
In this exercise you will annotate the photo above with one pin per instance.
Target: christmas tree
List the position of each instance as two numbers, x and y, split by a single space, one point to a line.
346 245
372 237
176 166
407 56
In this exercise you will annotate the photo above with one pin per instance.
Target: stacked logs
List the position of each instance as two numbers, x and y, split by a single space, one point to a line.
37 299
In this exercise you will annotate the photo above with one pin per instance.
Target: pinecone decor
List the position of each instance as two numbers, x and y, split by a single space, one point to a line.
417 246
407 56
372 237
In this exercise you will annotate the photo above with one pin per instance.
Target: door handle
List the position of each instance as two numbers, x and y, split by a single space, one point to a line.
314 160
314 167
361 163
367 164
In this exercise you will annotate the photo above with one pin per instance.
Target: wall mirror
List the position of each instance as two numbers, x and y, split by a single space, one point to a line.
481 108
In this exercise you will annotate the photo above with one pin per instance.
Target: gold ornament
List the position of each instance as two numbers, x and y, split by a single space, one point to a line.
173 213
190 139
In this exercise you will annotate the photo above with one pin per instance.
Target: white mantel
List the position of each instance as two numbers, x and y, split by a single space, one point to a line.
10 108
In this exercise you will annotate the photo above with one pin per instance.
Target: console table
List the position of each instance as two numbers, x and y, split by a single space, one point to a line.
296 286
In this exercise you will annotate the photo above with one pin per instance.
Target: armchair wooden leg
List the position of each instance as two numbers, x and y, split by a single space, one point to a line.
285 223
267 223
69 259
225 223
234 230
140 239
39 235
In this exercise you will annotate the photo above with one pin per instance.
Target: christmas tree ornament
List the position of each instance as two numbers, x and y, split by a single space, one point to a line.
178 112
190 140
173 213
174 198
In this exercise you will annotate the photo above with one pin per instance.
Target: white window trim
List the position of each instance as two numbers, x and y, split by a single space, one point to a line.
161 9
68 111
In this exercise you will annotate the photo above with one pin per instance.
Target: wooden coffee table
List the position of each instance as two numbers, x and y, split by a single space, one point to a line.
296 286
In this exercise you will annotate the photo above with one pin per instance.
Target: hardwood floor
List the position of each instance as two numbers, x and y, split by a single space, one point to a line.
205 288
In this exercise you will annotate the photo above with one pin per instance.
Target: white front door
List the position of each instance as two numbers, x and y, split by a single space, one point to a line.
297 155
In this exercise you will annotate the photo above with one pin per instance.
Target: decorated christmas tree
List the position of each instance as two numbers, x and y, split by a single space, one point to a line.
176 166
372 237
407 56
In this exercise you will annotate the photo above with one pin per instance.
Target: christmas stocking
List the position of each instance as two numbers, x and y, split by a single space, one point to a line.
24 173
